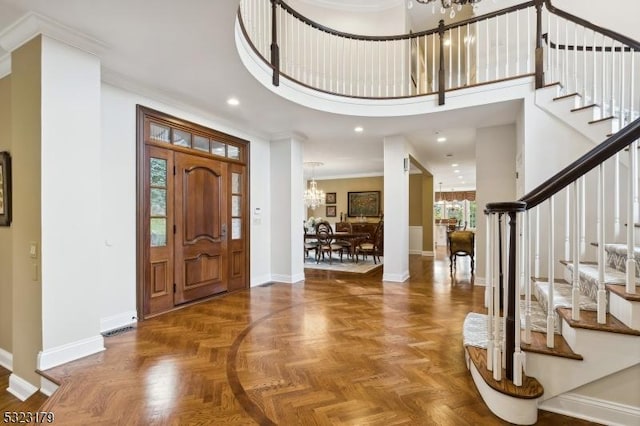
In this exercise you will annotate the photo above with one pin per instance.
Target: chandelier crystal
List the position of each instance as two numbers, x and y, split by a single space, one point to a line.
314 197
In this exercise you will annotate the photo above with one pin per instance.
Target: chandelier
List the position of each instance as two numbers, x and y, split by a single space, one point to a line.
446 4
313 197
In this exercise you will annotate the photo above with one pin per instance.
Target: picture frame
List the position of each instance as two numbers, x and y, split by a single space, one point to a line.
5 188
330 198
363 203
331 211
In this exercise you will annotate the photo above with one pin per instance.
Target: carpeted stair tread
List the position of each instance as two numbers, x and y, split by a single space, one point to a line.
589 278
538 317
562 296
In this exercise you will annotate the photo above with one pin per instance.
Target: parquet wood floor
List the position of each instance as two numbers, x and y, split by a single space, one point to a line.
334 350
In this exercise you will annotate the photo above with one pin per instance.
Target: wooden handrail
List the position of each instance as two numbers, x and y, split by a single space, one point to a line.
611 34
581 48
584 164
328 30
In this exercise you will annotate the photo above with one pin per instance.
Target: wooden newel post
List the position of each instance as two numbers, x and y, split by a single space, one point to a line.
539 50
510 329
275 49
441 69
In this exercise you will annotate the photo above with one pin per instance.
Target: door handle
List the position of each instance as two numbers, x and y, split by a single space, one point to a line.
223 232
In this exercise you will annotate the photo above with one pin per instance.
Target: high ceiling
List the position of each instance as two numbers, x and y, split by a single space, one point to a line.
184 52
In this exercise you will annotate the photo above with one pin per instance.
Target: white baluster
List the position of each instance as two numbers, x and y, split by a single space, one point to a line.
491 249
527 276
557 38
612 79
487 78
518 355
433 64
467 50
567 224
450 70
594 92
632 204
584 68
602 296
506 242
506 46
575 290
575 58
459 67
518 42
497 355
537 246
497 76
583 214
566 77
616 196
551 274
623 115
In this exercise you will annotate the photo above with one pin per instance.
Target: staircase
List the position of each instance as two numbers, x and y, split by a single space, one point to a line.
585 346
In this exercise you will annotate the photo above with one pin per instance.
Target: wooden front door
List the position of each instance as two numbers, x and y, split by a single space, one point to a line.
200 240
192 212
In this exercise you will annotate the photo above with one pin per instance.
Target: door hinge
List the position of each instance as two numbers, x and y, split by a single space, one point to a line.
175 287
174 170
174 229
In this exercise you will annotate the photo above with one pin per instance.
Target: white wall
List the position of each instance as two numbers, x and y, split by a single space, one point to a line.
118 234
71 202
495 178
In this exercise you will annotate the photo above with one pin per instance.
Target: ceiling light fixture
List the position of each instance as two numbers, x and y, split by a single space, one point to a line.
233 101
314 197
456 171
446 4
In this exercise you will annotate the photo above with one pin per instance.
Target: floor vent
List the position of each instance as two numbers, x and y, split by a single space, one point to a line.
117 331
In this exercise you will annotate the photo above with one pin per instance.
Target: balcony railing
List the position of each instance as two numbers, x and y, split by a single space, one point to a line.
484 49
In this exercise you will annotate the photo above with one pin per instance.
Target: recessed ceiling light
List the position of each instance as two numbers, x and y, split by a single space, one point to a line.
463 182
454 165
233 101
456 171
459 177
359 129
441 139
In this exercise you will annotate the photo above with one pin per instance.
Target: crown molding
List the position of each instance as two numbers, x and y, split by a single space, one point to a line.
5 65
33 24
358 6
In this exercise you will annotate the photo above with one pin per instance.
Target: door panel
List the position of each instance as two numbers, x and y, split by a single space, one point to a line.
158 183
201 226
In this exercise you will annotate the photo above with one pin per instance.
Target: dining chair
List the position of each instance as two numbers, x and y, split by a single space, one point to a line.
309 245
374 247
326 244
461 243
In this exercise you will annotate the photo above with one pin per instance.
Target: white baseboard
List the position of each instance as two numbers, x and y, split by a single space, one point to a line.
289 279
396 278
429 253
415 251
65 353
592 409
259 280
20 388
47 387
6 359
118 321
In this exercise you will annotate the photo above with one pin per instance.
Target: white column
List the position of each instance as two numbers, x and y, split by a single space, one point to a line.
287 209
396 210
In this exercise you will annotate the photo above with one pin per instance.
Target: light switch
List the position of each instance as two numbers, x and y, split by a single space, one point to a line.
33 250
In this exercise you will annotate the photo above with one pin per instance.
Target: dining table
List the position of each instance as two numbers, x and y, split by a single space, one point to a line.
354 238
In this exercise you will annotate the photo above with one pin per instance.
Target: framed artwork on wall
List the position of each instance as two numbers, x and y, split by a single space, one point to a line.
5 189
331 211
330 198
365 203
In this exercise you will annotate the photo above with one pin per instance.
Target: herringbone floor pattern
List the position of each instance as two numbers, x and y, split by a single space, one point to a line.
334 350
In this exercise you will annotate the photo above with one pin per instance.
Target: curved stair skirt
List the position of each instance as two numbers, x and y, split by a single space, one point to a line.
514 410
